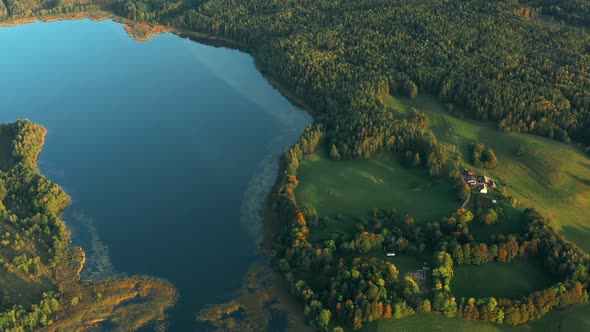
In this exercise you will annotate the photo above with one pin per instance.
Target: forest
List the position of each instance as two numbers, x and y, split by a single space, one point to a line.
16 9
490 57
40 272
483 56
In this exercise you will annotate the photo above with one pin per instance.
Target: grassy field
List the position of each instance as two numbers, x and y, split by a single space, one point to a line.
551 176
510 280
512 223
574 318
403 262
409 263
428 323
352 188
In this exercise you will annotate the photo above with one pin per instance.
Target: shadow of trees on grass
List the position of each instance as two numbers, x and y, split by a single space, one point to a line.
580 235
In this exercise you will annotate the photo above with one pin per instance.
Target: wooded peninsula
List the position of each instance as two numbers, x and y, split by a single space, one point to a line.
40 275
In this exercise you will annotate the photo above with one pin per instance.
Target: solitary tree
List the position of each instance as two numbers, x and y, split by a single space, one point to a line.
334 154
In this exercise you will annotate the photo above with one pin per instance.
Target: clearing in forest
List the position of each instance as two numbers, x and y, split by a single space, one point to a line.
507 280
352 188
548 175
431 323
574 318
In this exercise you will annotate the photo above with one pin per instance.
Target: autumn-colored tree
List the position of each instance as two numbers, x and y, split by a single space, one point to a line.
357 321
425 307
502 253
388 311
471 311
293 179
512 315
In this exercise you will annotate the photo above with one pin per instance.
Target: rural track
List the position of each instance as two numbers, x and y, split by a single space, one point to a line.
468 197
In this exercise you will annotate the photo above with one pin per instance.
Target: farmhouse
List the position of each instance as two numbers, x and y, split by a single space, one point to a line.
479 183
481 188
483 179
471 180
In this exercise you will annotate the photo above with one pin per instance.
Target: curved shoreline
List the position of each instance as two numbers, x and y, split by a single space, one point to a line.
75 304
278 298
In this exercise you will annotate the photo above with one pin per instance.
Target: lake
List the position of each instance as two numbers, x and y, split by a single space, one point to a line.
167 147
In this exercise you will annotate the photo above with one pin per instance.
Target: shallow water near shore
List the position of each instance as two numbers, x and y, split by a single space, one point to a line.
167 147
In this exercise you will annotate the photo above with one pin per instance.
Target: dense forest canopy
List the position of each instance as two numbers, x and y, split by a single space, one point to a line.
342 56
15 9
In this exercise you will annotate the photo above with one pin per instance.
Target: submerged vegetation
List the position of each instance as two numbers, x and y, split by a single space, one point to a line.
40 274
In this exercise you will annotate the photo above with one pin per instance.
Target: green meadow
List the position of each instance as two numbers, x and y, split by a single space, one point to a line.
574 318
511 223
551 176
508 280
352 188
431 322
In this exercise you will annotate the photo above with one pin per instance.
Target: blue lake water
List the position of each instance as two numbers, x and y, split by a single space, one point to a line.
167 148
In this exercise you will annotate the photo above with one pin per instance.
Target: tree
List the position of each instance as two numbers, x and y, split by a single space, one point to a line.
458 254
357 321
419 119
512 316
324 319
416 160
451 308
363 243
502 254
484 156
334 154
388 311
489 217
520 151
410 88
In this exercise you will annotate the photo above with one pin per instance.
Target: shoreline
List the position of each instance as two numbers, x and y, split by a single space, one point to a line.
75 303
140 31
278 299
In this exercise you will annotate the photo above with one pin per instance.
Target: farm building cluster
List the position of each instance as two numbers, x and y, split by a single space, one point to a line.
479 183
